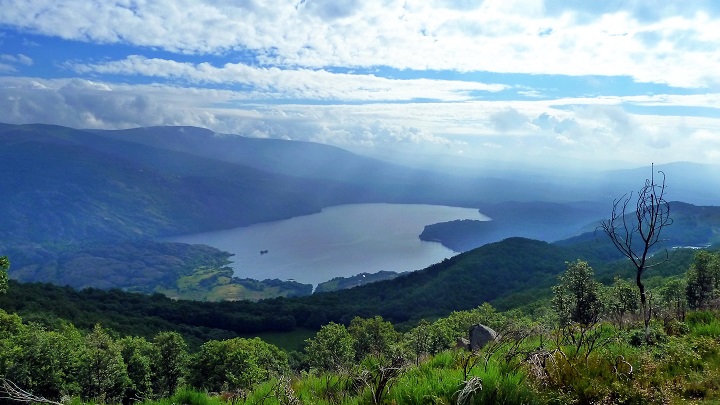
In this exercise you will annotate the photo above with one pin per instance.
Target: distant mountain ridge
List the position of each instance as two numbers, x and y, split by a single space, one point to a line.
68 192
68 185
692 225
295 158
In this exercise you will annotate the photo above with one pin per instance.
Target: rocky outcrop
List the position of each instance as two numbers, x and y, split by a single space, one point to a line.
480 335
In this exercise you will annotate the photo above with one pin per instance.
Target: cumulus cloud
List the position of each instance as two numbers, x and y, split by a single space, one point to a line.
664 42
477 128
549 122
508 120
294 83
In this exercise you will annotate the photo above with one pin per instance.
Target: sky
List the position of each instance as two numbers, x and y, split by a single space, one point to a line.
593 82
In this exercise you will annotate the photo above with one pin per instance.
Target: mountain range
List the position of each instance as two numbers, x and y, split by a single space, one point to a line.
86 207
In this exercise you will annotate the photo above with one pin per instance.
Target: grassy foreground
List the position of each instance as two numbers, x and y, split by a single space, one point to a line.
601 364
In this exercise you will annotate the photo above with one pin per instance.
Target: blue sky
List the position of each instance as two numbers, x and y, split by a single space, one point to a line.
532 81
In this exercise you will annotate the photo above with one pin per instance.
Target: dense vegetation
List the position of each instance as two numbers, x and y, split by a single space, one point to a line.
587 346
535 220
79 209
342 283
519 270
177 270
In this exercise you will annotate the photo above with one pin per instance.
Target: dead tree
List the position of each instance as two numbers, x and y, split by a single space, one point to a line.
636 236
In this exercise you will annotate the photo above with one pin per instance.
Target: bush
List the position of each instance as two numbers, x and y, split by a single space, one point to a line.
674 327
656 335
700 317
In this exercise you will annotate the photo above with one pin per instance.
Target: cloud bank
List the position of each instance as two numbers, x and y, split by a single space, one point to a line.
539 79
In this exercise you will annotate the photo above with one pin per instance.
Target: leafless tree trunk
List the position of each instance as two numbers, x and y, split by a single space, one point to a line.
636 236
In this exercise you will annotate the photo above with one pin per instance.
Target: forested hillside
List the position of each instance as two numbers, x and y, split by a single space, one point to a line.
510 274
70 185
584 346
73 194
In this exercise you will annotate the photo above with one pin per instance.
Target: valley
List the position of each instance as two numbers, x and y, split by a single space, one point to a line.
368 202
83 206
340 241
121 242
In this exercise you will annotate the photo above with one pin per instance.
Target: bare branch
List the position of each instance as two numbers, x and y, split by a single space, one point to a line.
10 390
652 215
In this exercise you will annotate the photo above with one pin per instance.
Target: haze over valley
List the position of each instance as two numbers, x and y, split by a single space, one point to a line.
81 205
126 124
212 202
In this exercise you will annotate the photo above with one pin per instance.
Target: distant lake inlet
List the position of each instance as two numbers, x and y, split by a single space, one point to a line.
340 241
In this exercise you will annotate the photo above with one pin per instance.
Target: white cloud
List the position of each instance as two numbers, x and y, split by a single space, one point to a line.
6 68
645 40
294 84
18 59
509 120
583 128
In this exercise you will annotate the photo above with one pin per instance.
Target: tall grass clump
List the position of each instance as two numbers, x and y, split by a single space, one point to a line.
441 380
703 323
187 396
499 387
322 388
427 384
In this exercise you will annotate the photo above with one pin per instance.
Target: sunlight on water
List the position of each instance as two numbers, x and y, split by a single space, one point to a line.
340 241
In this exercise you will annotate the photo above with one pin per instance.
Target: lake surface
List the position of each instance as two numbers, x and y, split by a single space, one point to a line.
339 241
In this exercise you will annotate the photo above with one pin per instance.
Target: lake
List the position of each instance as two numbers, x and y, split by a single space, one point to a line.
341 241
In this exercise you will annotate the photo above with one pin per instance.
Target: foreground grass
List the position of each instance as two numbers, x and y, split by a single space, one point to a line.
602 364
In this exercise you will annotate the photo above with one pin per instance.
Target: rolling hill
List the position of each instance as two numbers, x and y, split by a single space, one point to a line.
567 224
509 274
74 201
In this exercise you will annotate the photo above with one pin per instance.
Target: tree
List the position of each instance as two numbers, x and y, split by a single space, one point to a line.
103 373
577 297
45 363
620 299
223 366
419 340
373 336
170 363
636 237
4 267
138 355
237 363
703 280
331 349
674 296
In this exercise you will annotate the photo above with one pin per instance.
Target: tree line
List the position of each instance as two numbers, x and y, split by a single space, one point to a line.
370 354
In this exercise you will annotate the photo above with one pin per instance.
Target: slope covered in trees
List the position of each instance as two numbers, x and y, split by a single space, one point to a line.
72 193
588 346
69 185
177 270
510 274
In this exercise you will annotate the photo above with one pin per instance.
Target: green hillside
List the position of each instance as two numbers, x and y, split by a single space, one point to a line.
132 339
512 273
69 185
71 194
